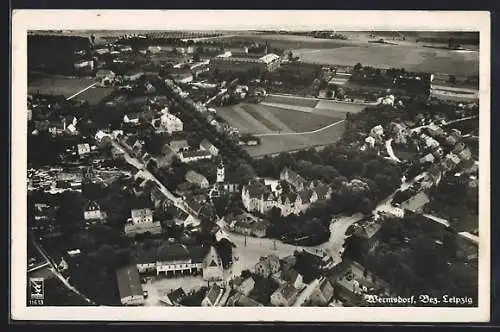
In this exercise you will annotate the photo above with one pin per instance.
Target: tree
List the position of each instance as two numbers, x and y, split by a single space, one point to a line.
357 67
207 213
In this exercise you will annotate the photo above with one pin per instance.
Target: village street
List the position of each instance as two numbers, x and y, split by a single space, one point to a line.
178 202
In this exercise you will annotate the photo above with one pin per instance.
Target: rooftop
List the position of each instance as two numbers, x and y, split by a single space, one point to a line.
168 252
129 282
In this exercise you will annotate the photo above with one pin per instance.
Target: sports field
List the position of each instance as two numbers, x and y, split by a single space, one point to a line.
285 128
70 87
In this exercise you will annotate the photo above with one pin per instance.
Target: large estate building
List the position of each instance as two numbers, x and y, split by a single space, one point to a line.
291 194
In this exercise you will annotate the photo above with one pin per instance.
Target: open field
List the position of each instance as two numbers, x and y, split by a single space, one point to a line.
410 57
94 95
58 85
264 119
282 129
69 87
284 143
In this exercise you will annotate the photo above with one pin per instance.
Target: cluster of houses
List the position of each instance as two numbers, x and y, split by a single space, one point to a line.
291 194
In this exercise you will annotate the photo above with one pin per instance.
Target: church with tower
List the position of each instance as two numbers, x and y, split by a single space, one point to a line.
220 186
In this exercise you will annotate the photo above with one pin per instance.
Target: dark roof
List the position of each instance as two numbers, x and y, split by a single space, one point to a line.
290 275
129 282
256 189
305 195
92 206
194 205
146 256
368 230
177 295
293 176
198 253
244 301
206 144
321 191
213 293
288 291
171 252
132 115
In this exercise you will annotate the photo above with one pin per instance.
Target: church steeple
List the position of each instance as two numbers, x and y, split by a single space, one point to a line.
220 172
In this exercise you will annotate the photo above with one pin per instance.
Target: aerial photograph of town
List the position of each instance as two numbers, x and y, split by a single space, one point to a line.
251 168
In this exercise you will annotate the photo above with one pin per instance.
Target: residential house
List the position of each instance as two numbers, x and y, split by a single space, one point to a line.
131 118
142 216
205 145
428 158
92 213
352 282
304 199
256 196
367 234
292 277
171 124
190 156
133 75
213 296
182 78
247 224
465 154
244 286
141 221
212 266
323 191
322 293
129 286
435 131
240 300
196 179
83 149
416 202
178 145
105 77
284 296
459 147
267 266
293 178
175 297
288 262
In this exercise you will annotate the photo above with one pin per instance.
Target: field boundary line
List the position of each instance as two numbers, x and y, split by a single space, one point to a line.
81 91
301 133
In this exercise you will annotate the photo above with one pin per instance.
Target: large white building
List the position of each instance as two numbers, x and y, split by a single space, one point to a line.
174 259
171 123
141 221
292 194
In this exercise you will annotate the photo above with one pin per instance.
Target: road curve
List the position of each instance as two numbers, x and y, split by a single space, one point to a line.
301 133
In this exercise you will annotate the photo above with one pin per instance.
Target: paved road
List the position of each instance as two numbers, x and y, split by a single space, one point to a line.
178 202
390 151
417 129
